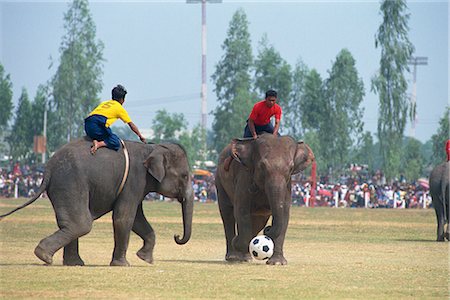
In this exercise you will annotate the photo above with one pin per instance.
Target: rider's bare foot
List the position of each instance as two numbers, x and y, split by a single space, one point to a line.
94 147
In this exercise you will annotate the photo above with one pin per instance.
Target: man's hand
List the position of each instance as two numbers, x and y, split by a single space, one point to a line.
143 139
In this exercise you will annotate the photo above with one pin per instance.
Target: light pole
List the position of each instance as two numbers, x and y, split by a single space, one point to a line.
204 89
415 61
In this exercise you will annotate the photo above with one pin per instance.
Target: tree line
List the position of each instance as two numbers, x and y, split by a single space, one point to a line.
325 112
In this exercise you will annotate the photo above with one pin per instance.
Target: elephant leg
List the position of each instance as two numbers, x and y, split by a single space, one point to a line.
143 229
229 222
74 220
282 220
124 214
439 209
258 223
244 227
71 256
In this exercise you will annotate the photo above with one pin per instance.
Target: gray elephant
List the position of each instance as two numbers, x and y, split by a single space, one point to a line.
257 186
439 190
83 187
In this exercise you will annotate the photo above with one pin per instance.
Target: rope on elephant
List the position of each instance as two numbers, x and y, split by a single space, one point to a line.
127 167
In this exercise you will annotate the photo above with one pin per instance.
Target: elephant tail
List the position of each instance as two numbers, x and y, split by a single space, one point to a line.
42 188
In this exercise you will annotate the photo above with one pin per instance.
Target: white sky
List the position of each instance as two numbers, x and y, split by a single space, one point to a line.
153 48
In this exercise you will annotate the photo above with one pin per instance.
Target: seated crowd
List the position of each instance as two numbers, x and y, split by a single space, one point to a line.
348 191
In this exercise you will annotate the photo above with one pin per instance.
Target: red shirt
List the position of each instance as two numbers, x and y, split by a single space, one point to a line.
261 114
447 146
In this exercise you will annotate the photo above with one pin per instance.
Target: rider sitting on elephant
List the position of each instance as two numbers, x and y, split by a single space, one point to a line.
259 119
97 124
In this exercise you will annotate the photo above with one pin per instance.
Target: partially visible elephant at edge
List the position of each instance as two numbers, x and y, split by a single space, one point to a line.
439 190
257 186
83 187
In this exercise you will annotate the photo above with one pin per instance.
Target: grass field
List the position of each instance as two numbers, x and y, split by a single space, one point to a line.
331 253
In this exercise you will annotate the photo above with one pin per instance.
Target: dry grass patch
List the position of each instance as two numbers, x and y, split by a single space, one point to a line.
331 253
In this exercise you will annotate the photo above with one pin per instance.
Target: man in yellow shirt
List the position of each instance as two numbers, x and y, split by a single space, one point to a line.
97 124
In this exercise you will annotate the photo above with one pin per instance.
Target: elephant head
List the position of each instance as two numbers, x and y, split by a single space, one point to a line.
271 161
168 166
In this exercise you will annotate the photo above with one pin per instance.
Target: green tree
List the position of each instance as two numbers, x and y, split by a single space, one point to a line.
344 92
6 105
21 138
293 112
390 83
233 83
77 81
412 160
440 138
272 72
166 126
315 118
193 144
5 98
364 151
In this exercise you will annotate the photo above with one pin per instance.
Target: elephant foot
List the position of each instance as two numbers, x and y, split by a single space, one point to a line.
440 239
238 257
277 260
73 262
43 255
145 256
447 236
119 263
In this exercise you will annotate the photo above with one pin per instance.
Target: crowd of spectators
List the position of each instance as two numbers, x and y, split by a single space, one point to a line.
347 191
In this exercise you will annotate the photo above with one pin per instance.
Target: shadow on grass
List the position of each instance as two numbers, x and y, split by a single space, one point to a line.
208 262
415 240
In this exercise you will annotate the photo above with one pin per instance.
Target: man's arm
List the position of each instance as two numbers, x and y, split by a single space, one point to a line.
277 126
251 126
136 130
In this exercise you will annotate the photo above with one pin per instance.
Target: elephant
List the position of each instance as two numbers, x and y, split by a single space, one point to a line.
83 187
257 186
439 190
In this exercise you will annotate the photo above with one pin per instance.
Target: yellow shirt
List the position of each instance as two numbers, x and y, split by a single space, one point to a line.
112 110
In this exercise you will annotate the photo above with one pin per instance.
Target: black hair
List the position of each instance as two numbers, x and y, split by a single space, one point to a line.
118 92
271 93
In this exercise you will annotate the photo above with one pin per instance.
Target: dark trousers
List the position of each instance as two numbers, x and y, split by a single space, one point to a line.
96 129
259 129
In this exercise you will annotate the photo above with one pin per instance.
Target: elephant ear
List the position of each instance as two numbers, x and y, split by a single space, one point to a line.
155 164
303 157
241 151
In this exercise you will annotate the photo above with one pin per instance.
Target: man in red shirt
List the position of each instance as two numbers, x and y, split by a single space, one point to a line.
259 119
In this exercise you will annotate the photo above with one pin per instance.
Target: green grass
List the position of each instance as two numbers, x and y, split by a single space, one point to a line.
332 253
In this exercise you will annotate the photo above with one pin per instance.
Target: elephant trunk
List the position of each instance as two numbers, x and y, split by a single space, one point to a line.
187 205
276 193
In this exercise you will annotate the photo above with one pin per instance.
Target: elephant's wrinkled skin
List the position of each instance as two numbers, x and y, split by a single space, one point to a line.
439 190
83 187
257 186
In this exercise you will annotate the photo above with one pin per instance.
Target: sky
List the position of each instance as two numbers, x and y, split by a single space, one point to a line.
153 48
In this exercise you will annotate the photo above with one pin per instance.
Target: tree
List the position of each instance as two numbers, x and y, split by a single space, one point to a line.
412 160
440 138
315 118
364 151
77 81
272 72
166 125
21 138
233 83
344 92
6 105
193 144
293 112
390 83
5 98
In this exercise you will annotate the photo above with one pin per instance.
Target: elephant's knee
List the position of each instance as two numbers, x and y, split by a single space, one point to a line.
82 228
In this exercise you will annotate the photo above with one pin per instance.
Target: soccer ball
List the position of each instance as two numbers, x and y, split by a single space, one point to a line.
261 247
